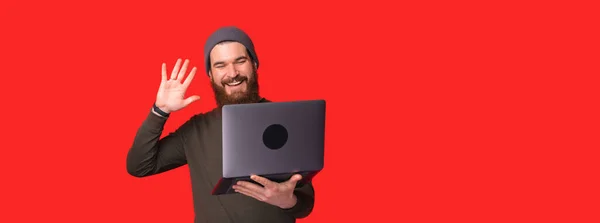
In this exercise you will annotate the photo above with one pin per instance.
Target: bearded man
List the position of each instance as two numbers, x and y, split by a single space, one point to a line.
231 64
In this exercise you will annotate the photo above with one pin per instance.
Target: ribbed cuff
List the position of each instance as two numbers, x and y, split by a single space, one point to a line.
155 121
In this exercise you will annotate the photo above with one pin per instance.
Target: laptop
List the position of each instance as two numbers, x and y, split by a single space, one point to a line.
274 140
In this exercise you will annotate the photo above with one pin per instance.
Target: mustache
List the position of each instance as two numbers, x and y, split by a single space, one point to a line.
234 79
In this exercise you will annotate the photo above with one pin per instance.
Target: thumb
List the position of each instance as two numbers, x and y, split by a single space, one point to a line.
191 99
295 179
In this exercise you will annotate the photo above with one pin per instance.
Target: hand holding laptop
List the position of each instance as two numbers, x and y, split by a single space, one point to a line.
278 194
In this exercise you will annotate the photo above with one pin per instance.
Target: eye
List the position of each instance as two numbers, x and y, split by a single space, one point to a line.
241 61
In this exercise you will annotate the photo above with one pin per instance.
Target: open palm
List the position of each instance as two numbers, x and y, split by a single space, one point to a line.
170 96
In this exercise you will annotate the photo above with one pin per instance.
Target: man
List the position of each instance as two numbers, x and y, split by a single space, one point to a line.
232 65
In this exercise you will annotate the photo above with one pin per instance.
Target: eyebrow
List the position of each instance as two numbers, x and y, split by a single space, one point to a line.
241 57
236 59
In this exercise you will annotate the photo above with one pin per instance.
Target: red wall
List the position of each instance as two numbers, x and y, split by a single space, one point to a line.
437 111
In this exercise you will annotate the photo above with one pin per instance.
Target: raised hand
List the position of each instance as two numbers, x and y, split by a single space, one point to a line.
171 92
278 194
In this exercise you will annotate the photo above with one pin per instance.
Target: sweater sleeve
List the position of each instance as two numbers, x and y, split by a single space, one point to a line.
151 155
305 196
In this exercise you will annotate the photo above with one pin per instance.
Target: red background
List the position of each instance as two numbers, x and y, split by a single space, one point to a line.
438 111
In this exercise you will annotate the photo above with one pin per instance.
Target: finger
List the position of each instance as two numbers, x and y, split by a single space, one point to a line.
164 73
183 70
250 194
189 78
190 100
251 186
264 181
175 69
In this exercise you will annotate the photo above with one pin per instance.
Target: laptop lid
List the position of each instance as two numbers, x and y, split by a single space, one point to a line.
273 138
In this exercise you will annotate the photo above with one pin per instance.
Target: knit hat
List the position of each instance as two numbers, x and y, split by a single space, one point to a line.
228 33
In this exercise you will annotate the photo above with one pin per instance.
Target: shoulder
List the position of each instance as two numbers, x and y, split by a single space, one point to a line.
199 117
206 117
194 124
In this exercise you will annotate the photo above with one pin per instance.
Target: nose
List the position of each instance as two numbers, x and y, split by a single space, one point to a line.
232 71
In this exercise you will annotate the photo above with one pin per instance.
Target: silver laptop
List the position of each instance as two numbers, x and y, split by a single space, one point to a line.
272 139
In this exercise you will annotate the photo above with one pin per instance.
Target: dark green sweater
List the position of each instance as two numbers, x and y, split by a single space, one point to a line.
198 144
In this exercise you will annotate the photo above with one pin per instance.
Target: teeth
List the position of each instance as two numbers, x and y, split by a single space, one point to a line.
234 83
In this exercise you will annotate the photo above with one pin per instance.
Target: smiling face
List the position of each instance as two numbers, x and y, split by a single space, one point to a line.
233 74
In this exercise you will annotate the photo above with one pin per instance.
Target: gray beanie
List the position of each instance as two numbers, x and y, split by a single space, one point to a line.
228 33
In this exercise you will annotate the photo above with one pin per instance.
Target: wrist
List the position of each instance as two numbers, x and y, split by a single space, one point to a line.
164 109
161 110
292 202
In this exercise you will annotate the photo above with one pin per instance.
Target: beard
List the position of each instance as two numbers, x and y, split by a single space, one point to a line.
251 95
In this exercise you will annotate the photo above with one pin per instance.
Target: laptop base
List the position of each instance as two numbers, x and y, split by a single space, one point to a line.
224 186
